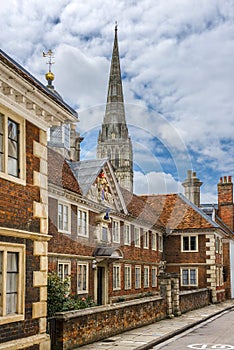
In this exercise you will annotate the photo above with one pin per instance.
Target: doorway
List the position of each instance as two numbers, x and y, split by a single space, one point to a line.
100 285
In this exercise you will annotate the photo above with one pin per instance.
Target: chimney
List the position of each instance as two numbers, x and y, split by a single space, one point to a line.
225 201
192 188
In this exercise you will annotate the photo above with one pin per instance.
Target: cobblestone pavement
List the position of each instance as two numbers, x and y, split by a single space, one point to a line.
146 337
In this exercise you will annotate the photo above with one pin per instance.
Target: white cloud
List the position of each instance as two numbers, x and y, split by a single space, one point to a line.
156 183
177 63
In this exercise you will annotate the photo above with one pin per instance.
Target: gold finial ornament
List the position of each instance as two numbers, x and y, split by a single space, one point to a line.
49 76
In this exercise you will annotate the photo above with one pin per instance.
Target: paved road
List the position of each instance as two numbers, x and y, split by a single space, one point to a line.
216 333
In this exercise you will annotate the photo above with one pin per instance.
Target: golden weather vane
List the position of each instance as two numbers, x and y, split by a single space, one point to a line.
50 55
49 76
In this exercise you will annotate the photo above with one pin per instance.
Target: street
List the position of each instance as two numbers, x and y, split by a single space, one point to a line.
218 333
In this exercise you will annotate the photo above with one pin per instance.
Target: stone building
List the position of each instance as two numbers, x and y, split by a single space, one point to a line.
114 141
27 110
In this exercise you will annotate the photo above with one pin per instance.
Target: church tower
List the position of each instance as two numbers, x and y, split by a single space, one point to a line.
113 140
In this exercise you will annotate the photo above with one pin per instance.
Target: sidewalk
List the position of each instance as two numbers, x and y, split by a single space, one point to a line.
146 337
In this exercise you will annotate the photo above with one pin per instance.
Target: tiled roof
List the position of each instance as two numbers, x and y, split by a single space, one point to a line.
138 208
60 173
178 213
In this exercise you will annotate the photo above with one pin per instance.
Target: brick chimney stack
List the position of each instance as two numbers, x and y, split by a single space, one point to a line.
225 201
192 188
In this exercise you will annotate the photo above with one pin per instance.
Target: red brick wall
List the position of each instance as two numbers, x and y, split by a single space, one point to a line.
16 211
173 253
16 201
83 327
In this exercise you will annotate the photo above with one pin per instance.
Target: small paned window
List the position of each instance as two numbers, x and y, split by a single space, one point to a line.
82 278
63 217
127 234
115 231
64 270
12 276
127 277
137 277
189 277
189 243
154 276
160 243
11 148
137 238
146 240
116 277
104 234
82 223
146 276
154 241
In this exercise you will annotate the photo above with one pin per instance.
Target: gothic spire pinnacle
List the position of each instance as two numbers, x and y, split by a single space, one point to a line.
114 141
115 90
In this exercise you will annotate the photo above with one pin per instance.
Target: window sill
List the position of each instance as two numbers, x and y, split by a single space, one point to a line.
14 179
11 318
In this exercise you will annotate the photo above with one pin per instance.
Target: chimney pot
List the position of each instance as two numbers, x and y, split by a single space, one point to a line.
229 179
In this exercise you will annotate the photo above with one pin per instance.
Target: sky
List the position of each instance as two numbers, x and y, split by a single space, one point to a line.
177 68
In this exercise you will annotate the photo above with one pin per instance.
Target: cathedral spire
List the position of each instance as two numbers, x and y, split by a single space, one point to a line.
115 90
114 141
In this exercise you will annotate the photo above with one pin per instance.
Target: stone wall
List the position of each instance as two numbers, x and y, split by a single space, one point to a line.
76 328
194 299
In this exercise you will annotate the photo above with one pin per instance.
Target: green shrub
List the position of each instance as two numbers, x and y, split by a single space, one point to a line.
59 298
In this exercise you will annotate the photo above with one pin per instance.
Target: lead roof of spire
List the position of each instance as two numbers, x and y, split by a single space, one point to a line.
115 91
115 101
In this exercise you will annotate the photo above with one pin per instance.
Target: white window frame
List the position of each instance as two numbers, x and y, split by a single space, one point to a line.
84 277
189 269
160 242
127 234
127 277
189 237
146 276
153 241
21 178
116 276
154 273
64 263
137 277
82 225
6 248
146 239
116 231
137 236
62 229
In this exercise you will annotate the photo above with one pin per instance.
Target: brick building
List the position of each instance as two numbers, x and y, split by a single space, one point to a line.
193 244
103 237
27 110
